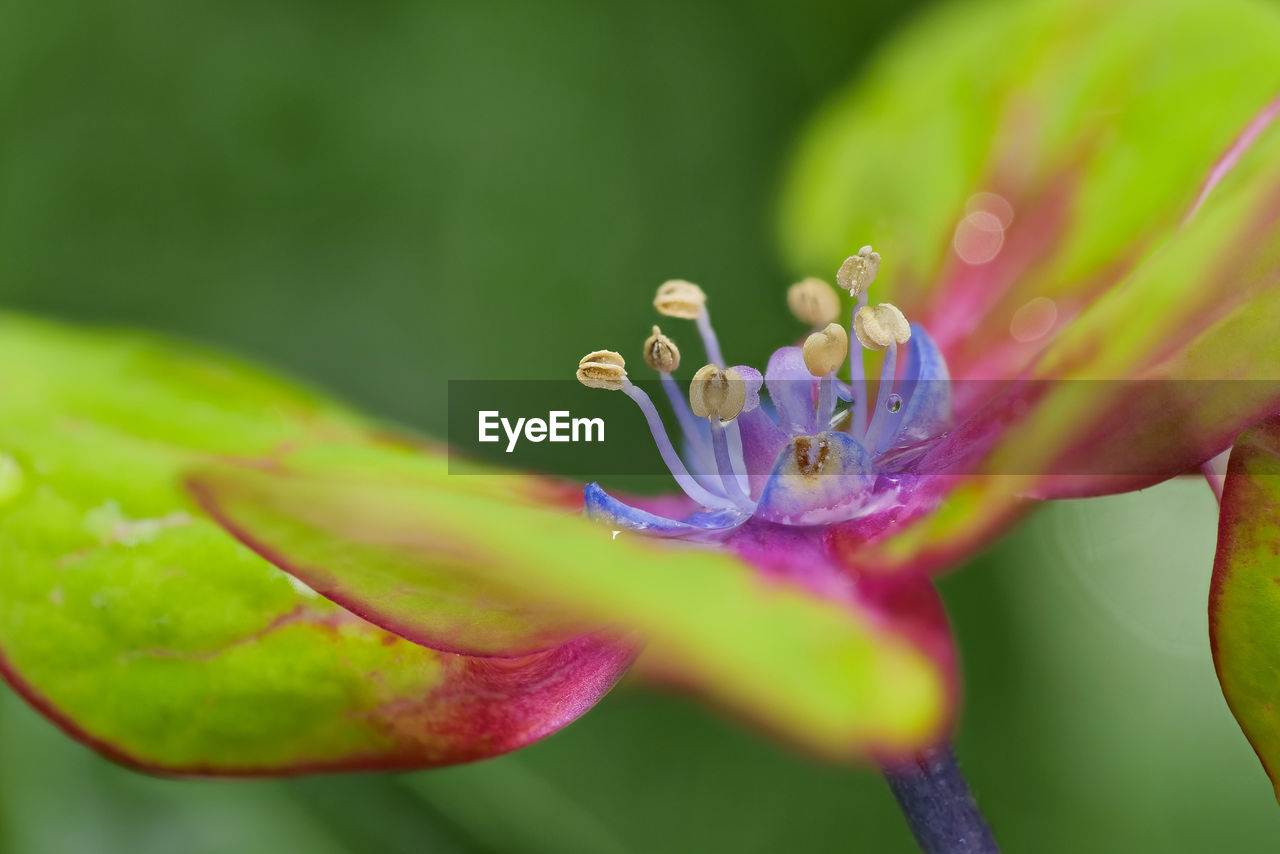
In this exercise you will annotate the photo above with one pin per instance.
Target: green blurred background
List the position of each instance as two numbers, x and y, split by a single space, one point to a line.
382 196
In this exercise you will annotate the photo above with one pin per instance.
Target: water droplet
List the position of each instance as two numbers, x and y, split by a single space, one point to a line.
894 403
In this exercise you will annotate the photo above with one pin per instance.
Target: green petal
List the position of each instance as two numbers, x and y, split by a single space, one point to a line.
1244 600
1081 118
145 630
1192 333
816 672
442 604
1098 123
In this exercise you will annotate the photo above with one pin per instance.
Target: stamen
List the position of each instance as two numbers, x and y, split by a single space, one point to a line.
733 429
680 405
606 369
725 463
888 373
879 326
709 340
814 302
602 369
661 353
737 452
856 275
857 380
678 298
717 394
682 477
858 271
824 351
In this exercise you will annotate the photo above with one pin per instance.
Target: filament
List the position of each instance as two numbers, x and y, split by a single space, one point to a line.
669 456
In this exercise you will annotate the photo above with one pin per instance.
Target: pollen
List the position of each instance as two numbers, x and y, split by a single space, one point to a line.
813 301
824 352
878 326
661 353
716 393
678 298
858 271
603 369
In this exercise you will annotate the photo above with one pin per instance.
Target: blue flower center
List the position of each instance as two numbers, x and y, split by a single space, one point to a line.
814 449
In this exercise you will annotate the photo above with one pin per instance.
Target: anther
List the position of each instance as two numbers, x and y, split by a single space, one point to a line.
814 302
858 271
878 326
661 353
717 393
824 352
678 298
603 369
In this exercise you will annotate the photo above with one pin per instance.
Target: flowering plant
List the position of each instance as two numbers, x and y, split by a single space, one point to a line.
1080 256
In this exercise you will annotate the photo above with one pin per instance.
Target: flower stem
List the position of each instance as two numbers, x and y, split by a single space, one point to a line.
938 805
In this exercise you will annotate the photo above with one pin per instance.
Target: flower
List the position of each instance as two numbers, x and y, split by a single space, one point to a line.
1080 246
787 472
779 461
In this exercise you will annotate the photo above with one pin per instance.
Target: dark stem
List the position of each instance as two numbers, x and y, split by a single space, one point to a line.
938 805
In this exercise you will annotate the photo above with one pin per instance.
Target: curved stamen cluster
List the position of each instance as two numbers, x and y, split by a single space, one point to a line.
744 460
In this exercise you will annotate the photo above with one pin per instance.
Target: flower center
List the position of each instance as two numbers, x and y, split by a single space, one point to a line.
811 453
815 451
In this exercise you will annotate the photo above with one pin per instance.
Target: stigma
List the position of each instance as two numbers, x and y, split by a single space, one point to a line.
820 451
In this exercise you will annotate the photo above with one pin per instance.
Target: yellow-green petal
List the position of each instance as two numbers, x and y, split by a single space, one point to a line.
816 672
1244 600
145 630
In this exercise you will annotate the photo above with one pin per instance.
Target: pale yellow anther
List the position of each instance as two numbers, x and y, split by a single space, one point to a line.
602 369
678 298
825 351
813 301
878 326
858 271
661 353
717 393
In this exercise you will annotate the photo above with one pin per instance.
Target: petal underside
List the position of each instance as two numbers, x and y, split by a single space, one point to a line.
142 628
1244 600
